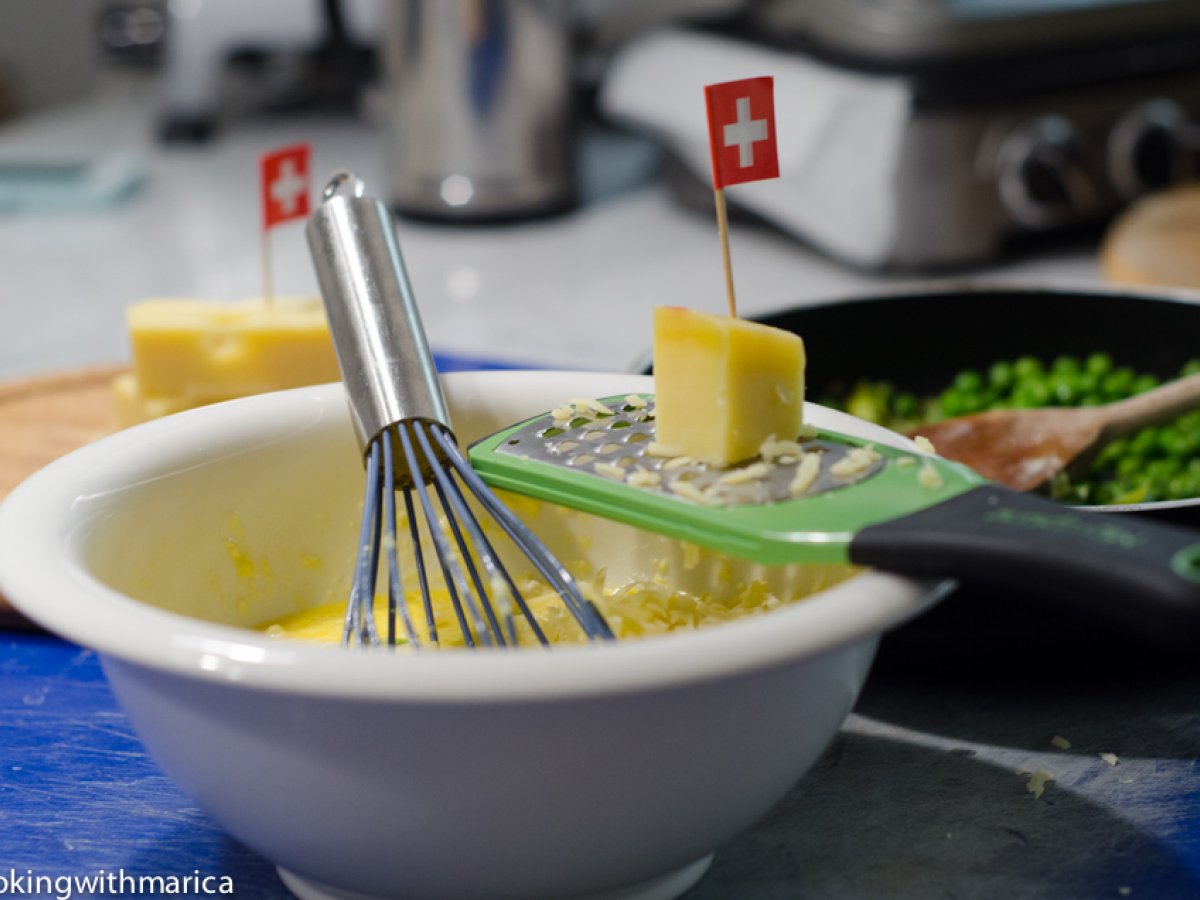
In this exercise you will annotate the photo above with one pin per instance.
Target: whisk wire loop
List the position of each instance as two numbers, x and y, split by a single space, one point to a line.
496 594
359 624
449 497
431 628
459 589
548 566
397 603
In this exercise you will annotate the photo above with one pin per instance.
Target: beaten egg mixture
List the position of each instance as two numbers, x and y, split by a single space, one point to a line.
638 609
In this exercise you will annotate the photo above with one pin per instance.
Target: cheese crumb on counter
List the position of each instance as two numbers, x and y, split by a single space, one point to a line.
1060 742
1037 782
1110 758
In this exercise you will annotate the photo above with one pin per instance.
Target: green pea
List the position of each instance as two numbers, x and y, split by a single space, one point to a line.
906 405
1112 452
1118 383
951 403
1031 394
1000 376
1175 443
1181 487
1099 364
1136 493
1162 470
866 403
1144 383
1027 366
1143 442
968 381
1065 365
1064 389
1128 466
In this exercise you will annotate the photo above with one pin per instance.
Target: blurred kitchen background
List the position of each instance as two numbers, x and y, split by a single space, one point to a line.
548 159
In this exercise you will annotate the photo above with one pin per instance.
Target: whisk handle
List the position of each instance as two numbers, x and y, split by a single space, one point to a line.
381 347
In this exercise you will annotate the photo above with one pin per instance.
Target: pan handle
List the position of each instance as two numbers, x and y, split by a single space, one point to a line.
1131 573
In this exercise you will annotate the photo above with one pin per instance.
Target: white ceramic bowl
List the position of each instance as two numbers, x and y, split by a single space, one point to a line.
590 771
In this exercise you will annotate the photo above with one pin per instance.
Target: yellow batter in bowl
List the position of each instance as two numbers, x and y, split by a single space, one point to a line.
639 608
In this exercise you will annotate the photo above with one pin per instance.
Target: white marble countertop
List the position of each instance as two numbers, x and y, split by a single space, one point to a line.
573 291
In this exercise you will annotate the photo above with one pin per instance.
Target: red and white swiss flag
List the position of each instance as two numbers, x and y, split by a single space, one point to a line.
284 176
741 130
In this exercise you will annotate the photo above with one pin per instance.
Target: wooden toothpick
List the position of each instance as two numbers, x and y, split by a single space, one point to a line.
723 232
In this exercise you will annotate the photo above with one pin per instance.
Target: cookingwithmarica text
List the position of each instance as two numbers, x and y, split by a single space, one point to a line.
102 883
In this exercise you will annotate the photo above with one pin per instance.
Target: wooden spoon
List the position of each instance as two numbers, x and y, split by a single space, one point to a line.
1024 448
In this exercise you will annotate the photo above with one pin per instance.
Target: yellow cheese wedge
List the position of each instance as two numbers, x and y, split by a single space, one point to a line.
134 407
188 353
724 385
204 350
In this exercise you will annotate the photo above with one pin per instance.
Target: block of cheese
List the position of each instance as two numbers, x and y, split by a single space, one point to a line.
133 407
187 353
205 349
723 385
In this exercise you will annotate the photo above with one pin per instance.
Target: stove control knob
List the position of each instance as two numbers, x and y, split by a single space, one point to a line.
1042 178
1152 146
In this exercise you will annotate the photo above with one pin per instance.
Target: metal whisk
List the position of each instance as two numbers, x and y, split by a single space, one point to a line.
401 420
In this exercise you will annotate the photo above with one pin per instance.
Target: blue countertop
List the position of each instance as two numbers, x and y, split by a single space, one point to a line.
919 796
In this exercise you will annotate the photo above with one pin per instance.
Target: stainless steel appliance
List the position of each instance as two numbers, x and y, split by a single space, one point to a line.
936 133
478 108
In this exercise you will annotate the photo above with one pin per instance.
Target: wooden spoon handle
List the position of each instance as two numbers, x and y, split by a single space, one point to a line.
1154 407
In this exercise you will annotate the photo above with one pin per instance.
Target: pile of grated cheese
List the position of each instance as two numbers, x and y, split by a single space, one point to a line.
638 609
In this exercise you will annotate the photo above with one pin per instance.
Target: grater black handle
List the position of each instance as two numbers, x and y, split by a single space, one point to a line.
1125 571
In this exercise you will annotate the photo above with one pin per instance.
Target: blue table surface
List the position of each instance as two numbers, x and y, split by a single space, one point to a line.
921 795
906 802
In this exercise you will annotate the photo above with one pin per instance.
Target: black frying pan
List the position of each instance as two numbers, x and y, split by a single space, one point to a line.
920 341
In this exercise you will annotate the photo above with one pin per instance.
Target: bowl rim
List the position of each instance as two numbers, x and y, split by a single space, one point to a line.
42 575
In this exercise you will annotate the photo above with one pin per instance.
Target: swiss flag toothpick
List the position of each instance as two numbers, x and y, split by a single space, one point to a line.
741 130
741 133
283 183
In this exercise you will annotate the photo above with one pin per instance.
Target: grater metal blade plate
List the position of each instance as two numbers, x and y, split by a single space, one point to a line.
618 446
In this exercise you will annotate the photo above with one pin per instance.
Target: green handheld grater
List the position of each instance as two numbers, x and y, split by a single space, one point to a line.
831 497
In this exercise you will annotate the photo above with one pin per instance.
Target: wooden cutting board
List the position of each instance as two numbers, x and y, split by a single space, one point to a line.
44 418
